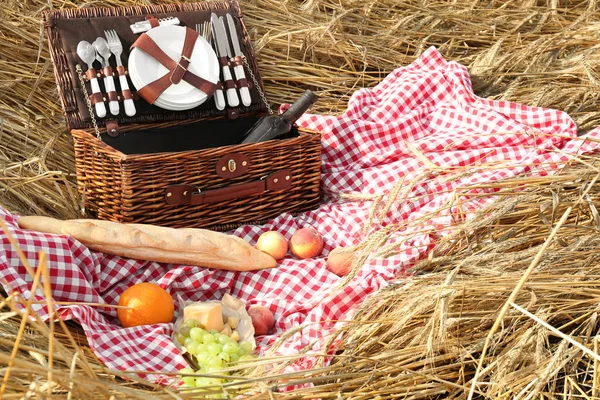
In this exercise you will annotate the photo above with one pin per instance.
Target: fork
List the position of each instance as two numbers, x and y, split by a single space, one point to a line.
115 46
204 29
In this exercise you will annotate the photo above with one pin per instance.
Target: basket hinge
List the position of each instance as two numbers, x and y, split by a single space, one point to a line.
112 128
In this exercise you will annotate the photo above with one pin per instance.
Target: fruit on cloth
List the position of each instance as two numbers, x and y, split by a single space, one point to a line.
339 261
188 246
273 243
306 243
262 319
212 352
148 304
209 315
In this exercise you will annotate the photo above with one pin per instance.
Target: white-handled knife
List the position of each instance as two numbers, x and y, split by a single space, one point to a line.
238 69
220 37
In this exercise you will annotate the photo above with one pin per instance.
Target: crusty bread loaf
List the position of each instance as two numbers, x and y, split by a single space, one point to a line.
199 247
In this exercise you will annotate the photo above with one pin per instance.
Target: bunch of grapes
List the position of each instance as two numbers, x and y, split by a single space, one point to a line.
213 352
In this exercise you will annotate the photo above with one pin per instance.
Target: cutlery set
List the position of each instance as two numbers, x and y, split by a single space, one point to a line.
215 32
222 42
101 50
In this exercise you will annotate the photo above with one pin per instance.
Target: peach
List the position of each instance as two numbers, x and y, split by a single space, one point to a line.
339 261
306 243
262 319
273 243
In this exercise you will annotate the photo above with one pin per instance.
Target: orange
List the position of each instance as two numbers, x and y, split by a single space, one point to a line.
148 304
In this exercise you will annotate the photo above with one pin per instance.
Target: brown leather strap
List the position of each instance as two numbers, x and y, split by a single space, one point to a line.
96 98
112 96
190 194
237 60
177 70
243 82
91 74
127 94
229 84
153 21
223 61
107 71
121 70
151 91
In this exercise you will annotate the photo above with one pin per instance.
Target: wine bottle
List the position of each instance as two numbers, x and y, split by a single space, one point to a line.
274 126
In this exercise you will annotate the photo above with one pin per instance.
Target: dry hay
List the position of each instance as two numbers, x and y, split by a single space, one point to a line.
424 337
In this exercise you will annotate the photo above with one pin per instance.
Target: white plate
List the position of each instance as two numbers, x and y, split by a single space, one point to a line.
144 69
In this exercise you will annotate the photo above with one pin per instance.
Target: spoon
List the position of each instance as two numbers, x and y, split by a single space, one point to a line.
86 52
101 46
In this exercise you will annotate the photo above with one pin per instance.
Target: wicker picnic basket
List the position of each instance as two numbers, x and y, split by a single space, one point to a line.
177 168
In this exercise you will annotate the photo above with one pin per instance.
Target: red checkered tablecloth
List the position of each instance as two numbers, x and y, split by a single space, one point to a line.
410 135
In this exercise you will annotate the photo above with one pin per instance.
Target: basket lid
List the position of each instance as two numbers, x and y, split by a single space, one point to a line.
65 28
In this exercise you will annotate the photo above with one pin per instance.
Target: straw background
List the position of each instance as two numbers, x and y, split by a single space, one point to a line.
423 337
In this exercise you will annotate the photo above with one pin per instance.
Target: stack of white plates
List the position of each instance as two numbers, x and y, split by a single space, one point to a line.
143 69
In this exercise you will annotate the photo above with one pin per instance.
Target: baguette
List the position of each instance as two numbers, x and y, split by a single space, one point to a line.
189 246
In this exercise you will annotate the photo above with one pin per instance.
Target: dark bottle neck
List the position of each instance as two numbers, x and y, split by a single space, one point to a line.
299 107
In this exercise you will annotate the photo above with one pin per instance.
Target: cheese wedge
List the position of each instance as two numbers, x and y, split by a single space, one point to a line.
210 315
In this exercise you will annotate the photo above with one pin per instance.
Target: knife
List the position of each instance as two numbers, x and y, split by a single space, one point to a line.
238 69
221 40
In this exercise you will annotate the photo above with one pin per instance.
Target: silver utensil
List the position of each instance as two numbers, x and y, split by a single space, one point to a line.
144 26
101 46
87 53
206 33
221 40
238 69
116 47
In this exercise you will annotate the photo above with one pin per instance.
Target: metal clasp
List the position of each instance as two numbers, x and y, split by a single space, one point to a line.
231 165
179 66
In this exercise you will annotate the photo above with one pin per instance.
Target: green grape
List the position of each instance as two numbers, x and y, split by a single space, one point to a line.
188 380
191 347
246 357
197 333
222 339
208 338
191 323
214 349
234 357
245 348
181 338
202 357
185 330
214 361
203 382
224 356
201 370
216 370
201 348
187 341
231 348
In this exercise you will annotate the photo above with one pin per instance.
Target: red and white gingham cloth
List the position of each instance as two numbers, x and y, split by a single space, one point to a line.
420 116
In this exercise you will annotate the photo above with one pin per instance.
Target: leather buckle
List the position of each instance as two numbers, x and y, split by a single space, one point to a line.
179 66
